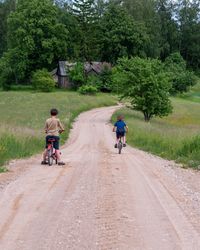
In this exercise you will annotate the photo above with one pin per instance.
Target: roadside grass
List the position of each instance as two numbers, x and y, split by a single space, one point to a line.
194 93
175 137
23 115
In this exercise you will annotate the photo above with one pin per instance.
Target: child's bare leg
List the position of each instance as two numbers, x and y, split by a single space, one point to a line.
58 155
45 154
124 139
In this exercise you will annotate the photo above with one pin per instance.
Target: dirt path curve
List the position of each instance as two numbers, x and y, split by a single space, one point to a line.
100 200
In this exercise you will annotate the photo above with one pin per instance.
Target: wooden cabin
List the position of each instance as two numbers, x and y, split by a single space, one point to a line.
61 74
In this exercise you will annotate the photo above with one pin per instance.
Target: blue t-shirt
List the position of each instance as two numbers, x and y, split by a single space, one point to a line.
120 126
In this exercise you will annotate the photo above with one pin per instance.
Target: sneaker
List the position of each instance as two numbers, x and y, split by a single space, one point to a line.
116 145
124 145
61 163
44 163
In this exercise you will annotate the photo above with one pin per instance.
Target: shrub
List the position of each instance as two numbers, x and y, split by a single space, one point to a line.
43 81
6 75
77 75
181 82
179 76
94 80
88 90
106 79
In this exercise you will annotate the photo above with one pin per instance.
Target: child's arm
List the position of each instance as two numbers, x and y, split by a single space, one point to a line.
126 129
46 127
115 126
114 129
60 126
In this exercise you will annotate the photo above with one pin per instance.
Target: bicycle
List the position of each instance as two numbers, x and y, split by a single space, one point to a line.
120 145
51 152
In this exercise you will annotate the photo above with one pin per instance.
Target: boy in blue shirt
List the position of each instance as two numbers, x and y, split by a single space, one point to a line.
120 128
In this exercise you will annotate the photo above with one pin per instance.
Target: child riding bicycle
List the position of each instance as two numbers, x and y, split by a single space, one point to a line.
53 127
120 128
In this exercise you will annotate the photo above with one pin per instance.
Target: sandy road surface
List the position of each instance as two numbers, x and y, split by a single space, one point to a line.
100 200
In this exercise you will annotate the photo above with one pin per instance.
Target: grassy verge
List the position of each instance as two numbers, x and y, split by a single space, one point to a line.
174 137
193 95
23 115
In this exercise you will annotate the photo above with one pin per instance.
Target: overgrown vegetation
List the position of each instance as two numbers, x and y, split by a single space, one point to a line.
42 81
23 115
88 90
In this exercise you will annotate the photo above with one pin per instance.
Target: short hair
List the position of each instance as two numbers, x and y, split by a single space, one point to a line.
120 117
54 112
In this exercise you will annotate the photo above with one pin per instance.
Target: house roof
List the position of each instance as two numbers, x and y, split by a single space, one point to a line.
64 67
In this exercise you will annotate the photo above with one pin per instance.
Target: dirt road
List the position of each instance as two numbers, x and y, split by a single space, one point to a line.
100 200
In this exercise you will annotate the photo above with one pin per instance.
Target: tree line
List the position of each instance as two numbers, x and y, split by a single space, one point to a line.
153 45
36 34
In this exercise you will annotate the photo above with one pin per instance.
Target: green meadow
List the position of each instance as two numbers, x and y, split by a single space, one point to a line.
175 137
23 115
193 95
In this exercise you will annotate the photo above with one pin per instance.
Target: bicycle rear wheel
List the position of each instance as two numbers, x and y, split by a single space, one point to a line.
49 156
120 147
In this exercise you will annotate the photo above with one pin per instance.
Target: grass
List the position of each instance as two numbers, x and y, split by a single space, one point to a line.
174 137
193 95
23 115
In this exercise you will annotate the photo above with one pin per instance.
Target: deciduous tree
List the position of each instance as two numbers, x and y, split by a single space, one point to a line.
145 84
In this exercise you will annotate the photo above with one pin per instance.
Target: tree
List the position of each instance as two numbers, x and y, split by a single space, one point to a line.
181 78
144 82
35 33
188 16
71 23
169 35
122 35
5 9
87 18
144 11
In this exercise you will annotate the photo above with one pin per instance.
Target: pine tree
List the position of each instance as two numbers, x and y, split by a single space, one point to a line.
85 12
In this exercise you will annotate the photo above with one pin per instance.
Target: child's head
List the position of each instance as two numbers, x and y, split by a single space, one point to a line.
120 117
53 112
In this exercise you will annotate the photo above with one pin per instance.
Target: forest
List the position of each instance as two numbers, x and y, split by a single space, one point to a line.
37 34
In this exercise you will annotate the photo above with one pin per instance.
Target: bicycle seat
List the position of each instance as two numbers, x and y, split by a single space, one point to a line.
51 140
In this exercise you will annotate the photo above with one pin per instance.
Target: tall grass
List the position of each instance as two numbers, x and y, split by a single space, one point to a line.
23 115
174 137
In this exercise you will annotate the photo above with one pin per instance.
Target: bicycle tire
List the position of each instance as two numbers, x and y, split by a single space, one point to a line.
49 156
120 147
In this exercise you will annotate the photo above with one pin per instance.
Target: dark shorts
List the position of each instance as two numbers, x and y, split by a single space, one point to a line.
55 143
120 134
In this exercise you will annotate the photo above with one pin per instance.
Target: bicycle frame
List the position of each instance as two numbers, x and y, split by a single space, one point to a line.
51 155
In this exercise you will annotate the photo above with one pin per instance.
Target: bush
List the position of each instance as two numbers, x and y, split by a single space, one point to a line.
77 75
106 79
20 87
43 81
182 82
88 90
94 80
6 75
179 76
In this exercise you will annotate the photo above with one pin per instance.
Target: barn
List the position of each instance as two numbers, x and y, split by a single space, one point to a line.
61 74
